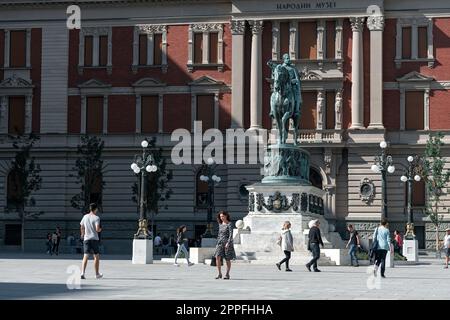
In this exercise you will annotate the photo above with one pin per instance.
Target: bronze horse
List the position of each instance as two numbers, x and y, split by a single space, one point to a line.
282 104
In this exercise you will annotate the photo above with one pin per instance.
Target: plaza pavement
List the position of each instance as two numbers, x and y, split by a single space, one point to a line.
34 276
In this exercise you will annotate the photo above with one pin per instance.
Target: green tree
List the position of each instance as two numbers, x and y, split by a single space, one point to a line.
157 190
436 179
89 169
23 180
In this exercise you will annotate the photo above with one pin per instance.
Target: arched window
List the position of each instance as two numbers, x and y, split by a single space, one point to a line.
14 189
315 178
201 191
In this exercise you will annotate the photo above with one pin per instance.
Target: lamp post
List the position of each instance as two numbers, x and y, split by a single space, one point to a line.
383 164
142 165
209 176
411 174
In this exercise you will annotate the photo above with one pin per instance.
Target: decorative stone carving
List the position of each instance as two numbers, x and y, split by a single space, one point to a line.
259 201
152 28
295 201
237 26
15 82
257 27
251 202
307 74
327 157
95 31
286 163
357 24
375 23
367 190
304 202
338 109
207 27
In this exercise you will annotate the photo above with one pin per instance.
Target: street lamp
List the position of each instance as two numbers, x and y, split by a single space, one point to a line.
383 164
209 176
142 165
412 172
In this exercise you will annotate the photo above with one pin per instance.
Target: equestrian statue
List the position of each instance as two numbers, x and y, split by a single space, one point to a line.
286 99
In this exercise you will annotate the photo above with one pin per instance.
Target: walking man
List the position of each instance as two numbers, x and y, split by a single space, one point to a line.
447 247
314 241
383 240
90 227
353 243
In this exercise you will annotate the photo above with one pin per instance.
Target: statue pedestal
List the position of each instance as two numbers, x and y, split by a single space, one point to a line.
209 242
411 250
270 205
142 251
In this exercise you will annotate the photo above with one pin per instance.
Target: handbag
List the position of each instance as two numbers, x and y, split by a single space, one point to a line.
374 246
213 261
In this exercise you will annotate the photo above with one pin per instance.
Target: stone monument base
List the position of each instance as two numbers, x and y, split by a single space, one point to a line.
142 251
411 250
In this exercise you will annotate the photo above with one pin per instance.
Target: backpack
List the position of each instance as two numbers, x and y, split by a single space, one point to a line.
374 246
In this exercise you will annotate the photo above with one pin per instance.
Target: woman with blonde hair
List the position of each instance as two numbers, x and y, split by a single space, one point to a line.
287 245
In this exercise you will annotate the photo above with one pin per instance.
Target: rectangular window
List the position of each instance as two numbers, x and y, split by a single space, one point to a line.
143 49
309 111
284 38
103 50
330 115
94 114
198 47
308 40
88 50
205 111
418 196
406 43
414 113
16 115
422 38
149 114
213 43
157 49
331 39
18 49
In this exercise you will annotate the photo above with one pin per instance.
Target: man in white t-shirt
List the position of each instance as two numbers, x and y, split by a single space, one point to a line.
90 227
157 241
447 247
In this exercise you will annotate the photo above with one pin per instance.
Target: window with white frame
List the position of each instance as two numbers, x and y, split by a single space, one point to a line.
95 48
150 47
16 96
205 93
319 40
414 40
205 46
94 107
17 48
415 101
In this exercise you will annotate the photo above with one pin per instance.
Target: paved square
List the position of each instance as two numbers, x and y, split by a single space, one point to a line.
43 277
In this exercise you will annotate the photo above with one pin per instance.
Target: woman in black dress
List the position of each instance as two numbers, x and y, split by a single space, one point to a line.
224 247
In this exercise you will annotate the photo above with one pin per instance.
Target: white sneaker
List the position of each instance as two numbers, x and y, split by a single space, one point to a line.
176 264
99 276
190 264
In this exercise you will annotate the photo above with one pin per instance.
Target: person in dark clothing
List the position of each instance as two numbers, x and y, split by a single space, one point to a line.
314 241
354 244
58 239
181 241
49 243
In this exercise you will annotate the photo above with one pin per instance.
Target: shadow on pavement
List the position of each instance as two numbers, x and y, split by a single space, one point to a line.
59 257
14 290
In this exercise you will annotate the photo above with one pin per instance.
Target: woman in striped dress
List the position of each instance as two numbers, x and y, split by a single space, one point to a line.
224 247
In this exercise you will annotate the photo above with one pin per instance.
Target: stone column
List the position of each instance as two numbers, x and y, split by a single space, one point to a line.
4 114
376 26
237 74
256 75
138 113
28 113
357 73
